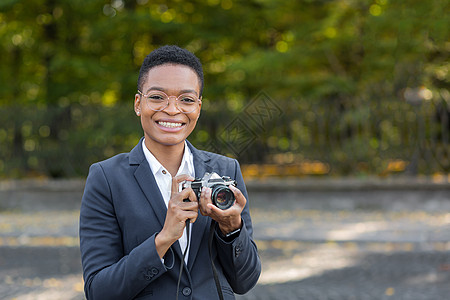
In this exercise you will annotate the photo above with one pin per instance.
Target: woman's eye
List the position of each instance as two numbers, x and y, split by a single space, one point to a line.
187 100
156 97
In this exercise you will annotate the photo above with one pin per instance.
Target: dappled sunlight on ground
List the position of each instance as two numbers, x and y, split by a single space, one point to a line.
64 287
303 261
305 254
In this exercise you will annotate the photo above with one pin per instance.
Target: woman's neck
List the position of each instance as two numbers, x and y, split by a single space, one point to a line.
170 156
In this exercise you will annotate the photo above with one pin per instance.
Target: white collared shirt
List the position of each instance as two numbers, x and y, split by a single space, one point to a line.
164 180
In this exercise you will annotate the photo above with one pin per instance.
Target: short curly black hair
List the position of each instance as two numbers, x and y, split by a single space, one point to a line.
170 54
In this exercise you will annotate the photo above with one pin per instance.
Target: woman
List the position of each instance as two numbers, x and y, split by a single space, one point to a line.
133 217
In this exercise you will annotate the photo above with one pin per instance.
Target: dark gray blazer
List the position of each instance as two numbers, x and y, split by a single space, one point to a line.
121 212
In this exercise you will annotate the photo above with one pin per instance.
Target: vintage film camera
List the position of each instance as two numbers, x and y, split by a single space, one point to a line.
221 195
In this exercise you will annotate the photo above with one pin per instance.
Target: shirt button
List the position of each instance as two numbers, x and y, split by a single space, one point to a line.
164 172
187 291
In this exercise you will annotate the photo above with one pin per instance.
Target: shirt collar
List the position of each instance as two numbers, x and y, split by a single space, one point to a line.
187 162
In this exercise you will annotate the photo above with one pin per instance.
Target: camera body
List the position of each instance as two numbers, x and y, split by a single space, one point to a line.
221 195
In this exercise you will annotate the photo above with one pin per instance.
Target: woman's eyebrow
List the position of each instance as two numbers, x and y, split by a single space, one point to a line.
155 88
158 88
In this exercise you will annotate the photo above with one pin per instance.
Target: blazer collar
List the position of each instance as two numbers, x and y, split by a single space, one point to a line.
201 161
136 155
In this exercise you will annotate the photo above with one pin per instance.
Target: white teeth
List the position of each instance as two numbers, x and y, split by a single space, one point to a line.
170 124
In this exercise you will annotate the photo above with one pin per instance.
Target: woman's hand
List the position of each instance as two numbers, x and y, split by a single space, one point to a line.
229 219
178 212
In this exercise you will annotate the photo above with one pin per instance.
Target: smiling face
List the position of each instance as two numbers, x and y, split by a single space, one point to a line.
168 127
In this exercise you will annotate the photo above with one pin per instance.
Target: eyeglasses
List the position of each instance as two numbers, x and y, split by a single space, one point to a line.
158 101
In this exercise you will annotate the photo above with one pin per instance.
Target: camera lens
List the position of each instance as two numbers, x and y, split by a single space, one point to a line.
222 197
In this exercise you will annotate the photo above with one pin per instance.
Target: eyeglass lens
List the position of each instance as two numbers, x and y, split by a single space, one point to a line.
158 101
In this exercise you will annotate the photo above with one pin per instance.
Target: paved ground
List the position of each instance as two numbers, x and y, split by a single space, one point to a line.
353 255
347 253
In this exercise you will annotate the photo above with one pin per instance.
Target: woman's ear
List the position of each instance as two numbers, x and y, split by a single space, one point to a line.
199 107
137 104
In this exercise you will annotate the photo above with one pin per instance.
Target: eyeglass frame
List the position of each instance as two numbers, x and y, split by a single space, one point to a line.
168 98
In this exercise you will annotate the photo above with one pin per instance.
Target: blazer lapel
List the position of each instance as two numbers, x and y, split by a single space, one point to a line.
147 182
202 223
149 187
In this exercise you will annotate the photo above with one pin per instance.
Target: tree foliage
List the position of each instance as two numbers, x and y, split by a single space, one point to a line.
354 57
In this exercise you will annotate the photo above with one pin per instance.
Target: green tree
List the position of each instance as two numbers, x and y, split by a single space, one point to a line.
67 63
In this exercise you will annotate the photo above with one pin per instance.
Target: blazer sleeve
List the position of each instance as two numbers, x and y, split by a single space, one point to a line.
109 273
239 258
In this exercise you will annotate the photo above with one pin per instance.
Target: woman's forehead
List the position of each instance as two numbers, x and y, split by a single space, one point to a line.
172 77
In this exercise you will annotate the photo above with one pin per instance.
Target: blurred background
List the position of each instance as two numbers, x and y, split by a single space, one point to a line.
339 108
338 87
